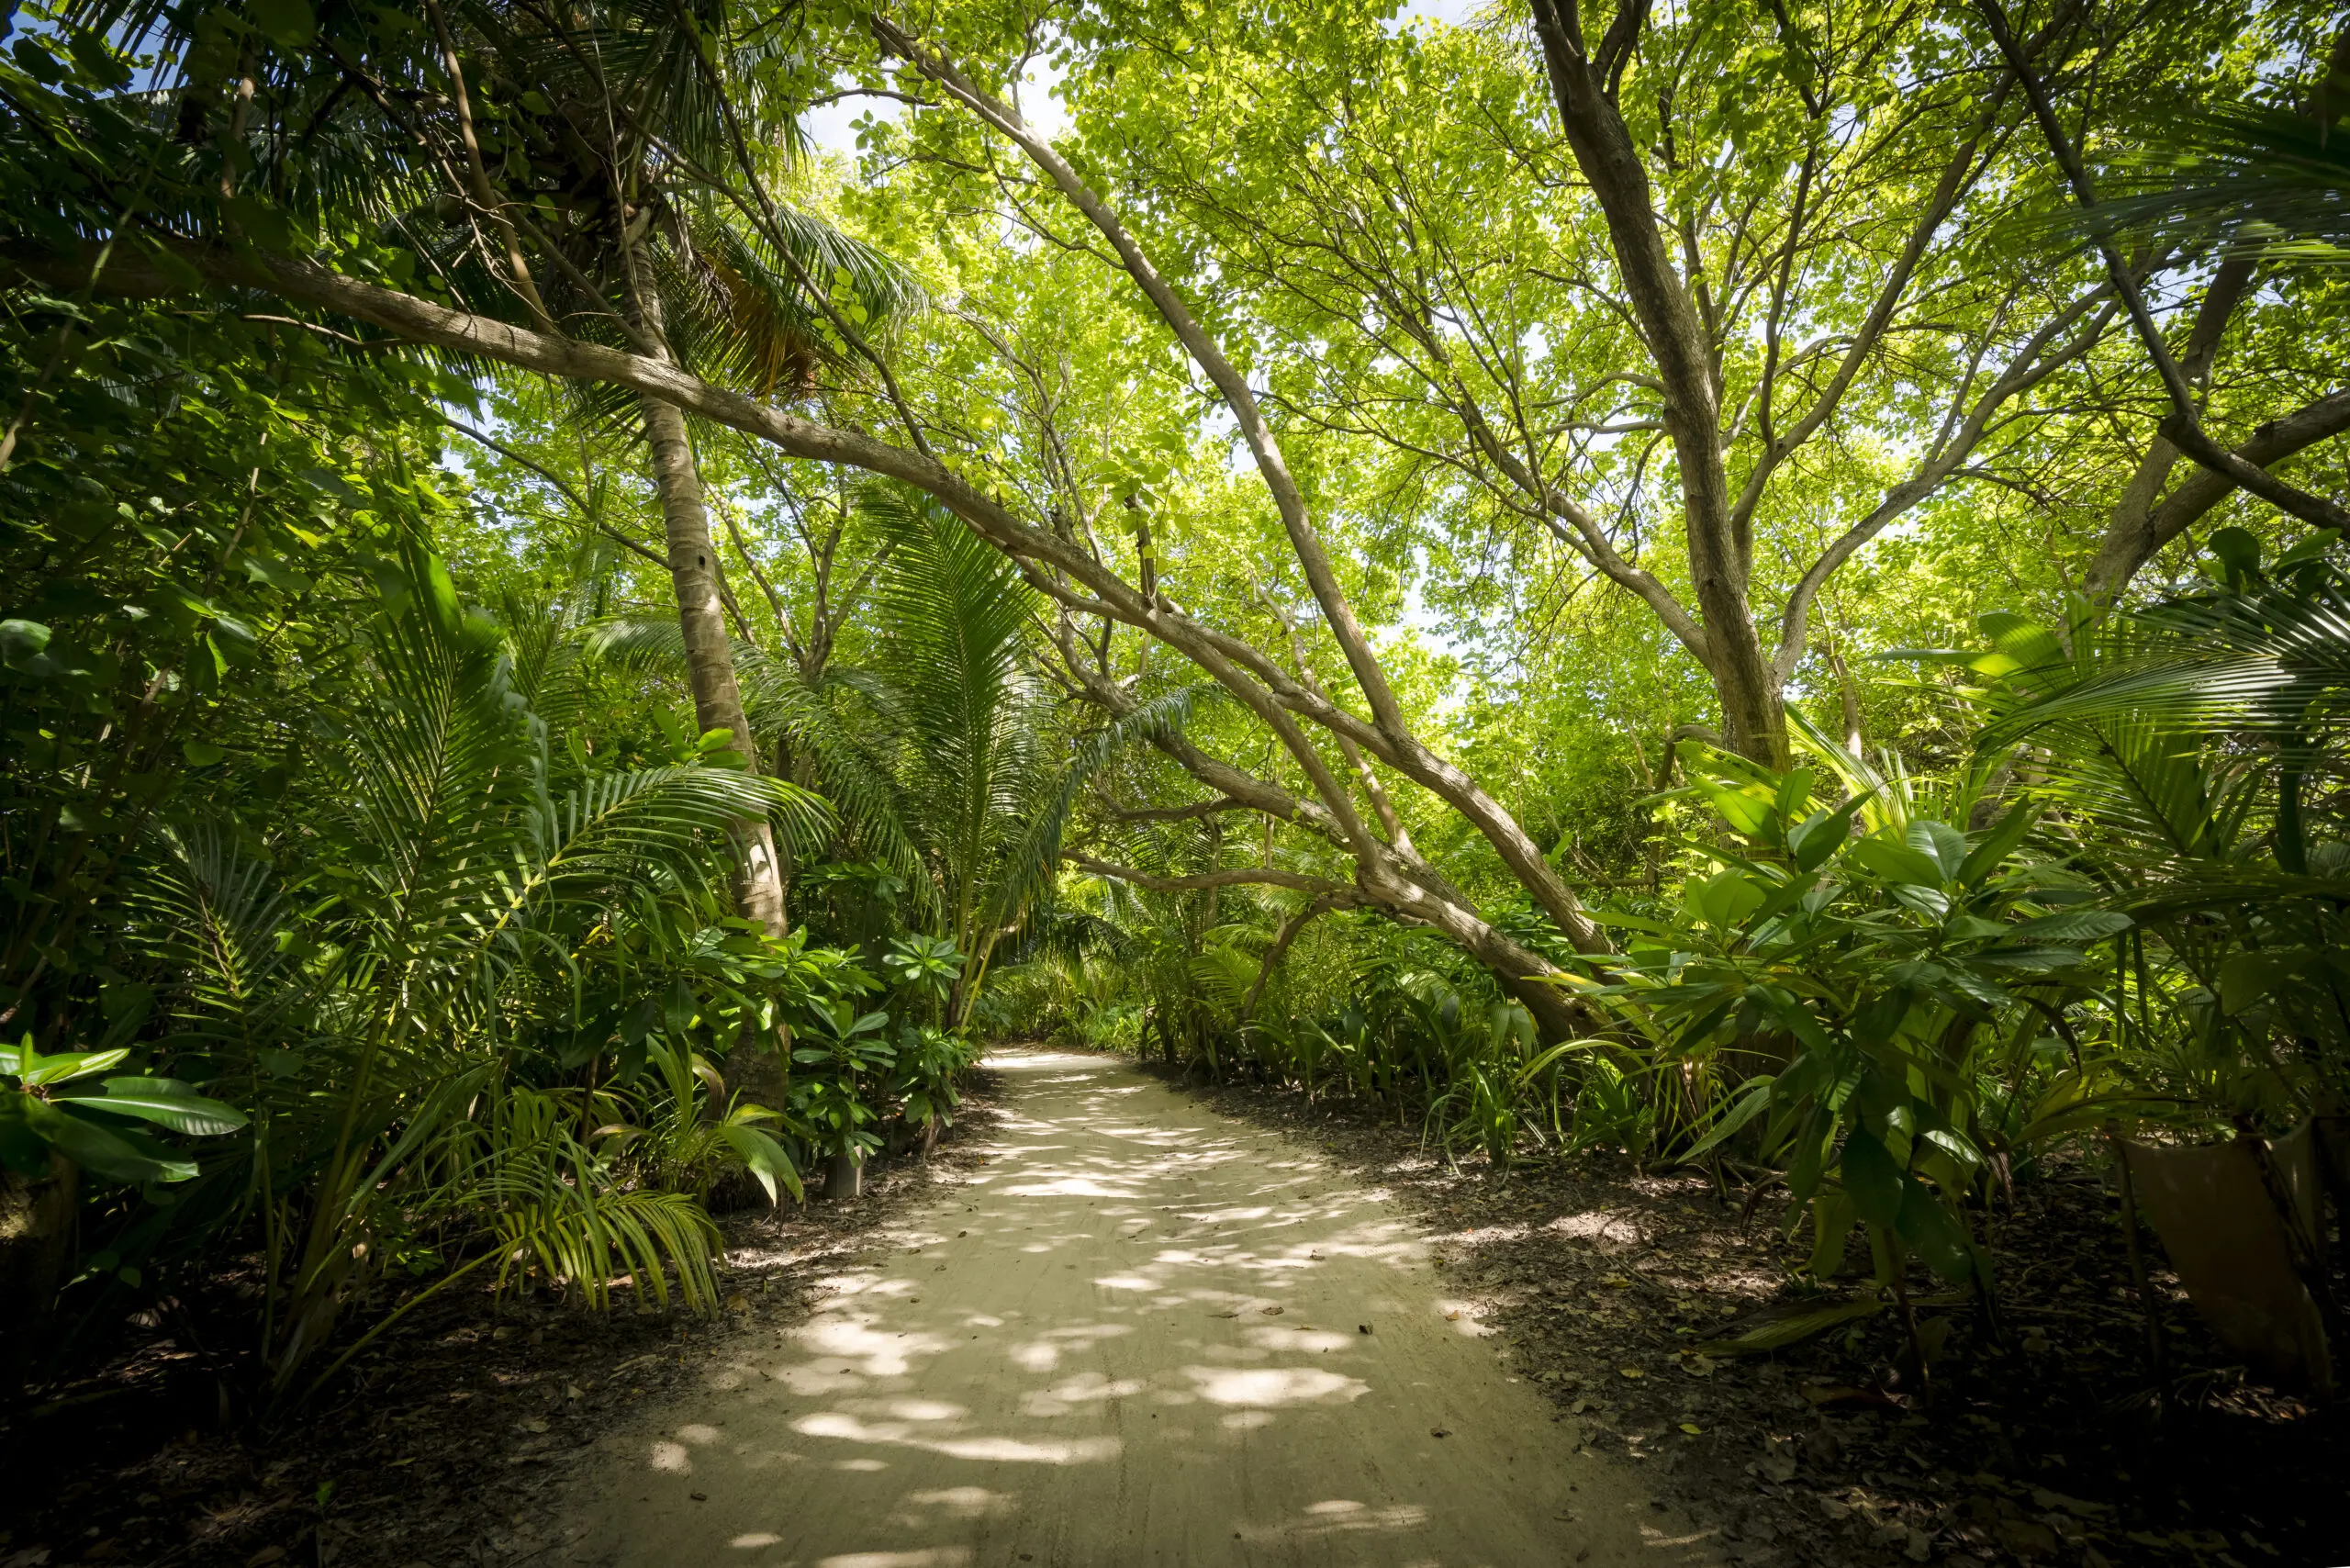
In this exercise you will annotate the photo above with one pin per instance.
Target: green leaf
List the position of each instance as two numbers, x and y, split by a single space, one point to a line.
1996 846
2237 551
1831 1227
1871 1178
2246 977
21 643
167 1103
1793 1327
1743 811
1898 862
1726 900
763 1158
1758 1095
277 574
26 1064
23 1148
288 22
1821 834
2071 925
1934 1233
1941 843
117 1156
201 754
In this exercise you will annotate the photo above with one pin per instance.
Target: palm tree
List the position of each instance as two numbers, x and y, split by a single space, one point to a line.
635 229
604 166
937 749
2194 753
372 1035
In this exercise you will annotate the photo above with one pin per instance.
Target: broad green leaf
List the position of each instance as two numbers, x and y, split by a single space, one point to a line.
115 1155
2245 978
28 1066
1941 843
2071 925
167 1103
1819 836
1996 844
1872 1179
1898 862
1934 1233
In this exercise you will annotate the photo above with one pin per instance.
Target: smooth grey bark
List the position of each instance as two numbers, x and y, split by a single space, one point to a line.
701 610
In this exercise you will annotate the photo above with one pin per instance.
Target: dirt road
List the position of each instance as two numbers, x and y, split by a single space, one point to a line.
1141 1333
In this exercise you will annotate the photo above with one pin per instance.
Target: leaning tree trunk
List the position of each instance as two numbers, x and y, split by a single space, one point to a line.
754 1072
710 657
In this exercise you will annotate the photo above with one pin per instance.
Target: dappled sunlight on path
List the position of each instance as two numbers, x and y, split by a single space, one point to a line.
1137 1333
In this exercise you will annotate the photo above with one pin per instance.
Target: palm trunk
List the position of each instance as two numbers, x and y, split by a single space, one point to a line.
753 1071
710 657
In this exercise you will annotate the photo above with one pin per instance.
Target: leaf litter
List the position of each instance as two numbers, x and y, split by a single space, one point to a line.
1797 1425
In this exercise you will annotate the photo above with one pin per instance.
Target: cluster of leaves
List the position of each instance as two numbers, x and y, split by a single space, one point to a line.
1840 1003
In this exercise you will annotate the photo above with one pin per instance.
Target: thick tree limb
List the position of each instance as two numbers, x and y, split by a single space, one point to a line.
1257 680
1234 876
2130 543
1720 547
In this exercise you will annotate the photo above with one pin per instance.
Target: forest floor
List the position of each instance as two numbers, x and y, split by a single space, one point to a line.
1141 1331
1599 1280
1169 1287
448 1442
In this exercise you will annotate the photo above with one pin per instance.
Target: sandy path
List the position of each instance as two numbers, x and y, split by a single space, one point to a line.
1135 1337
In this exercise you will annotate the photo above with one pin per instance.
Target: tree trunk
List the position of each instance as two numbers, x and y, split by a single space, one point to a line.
846 1177
1721 551
710 656
35 1222
754 1071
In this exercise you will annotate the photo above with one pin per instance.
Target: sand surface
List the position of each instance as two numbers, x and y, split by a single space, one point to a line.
1136 1335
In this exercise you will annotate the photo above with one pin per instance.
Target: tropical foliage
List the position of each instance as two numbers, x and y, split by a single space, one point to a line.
1757 586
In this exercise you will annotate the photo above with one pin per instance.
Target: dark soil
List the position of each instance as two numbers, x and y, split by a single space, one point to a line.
1599 1281
443 1445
